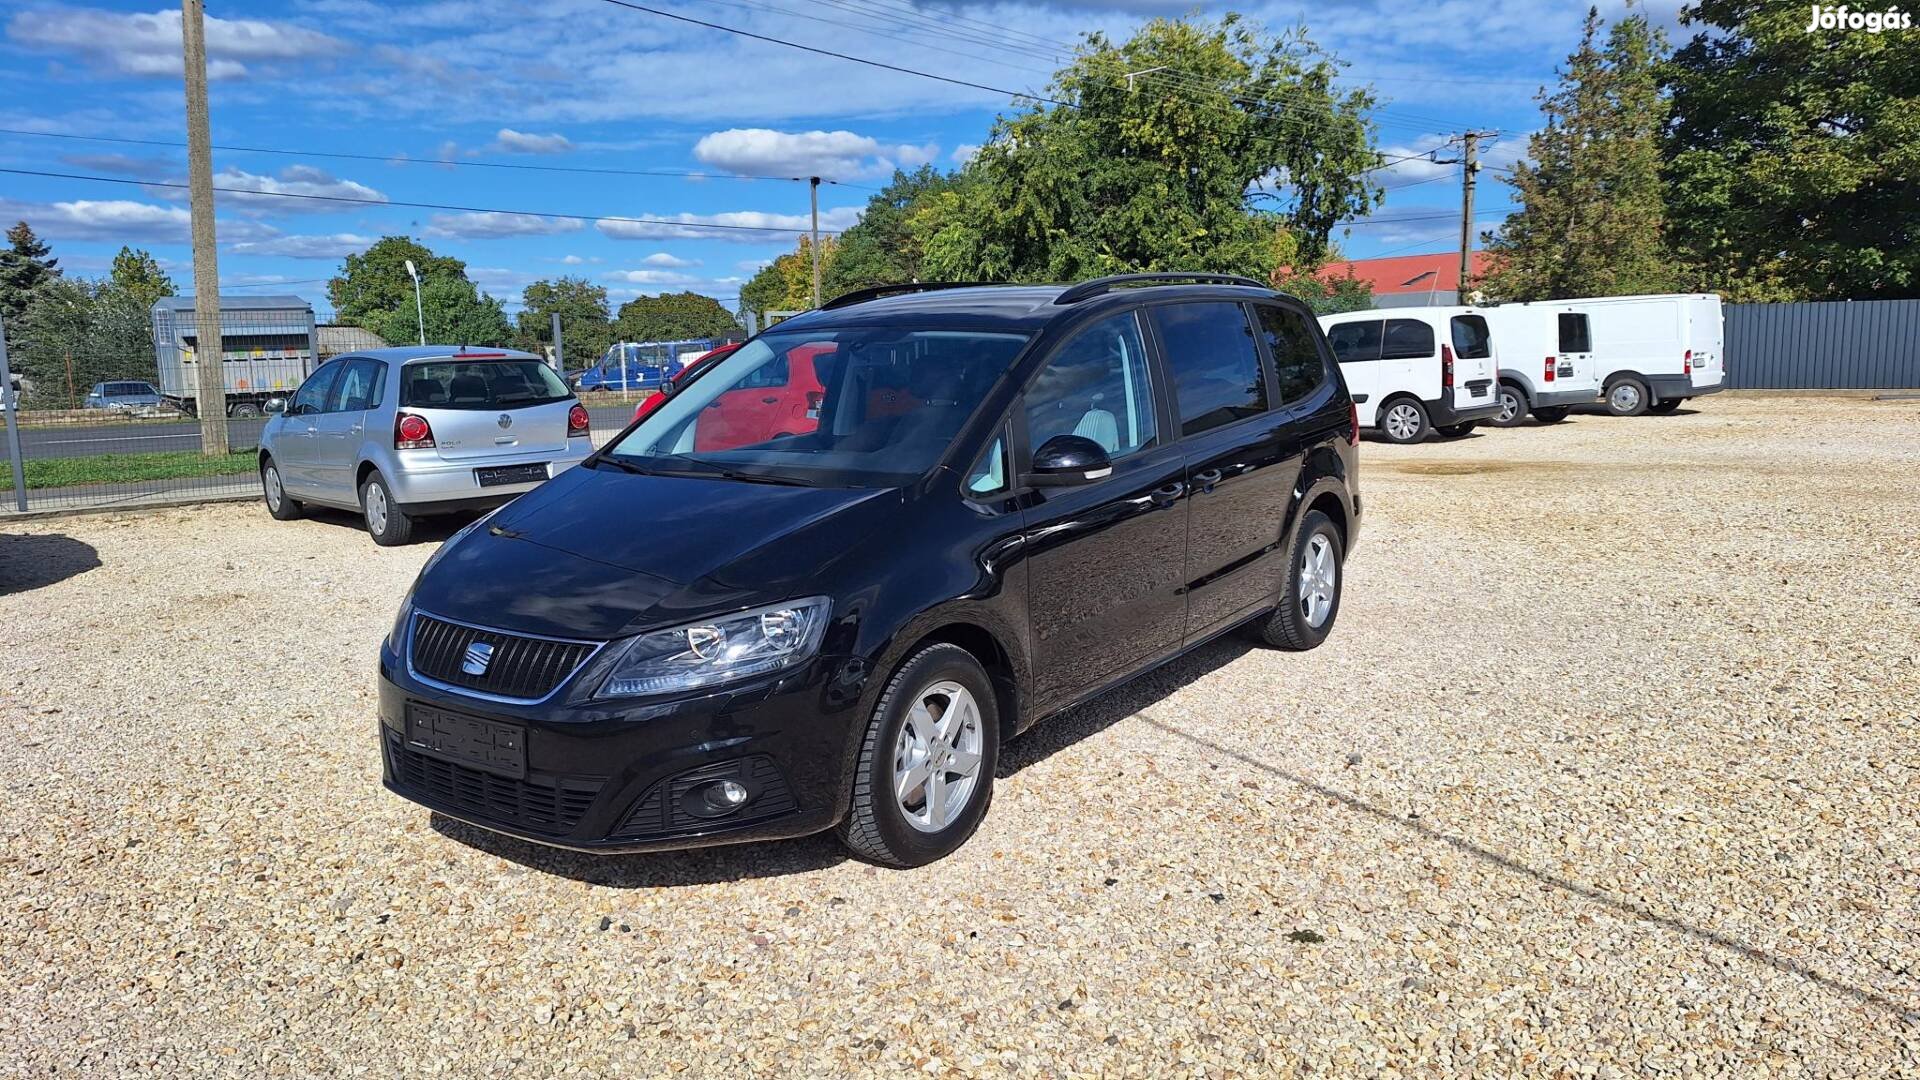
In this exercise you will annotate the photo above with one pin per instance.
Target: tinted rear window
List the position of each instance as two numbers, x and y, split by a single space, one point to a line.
1471 341
1573 334
1215 366
1355 341
480 384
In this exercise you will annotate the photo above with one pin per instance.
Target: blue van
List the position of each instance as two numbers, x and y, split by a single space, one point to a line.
645 365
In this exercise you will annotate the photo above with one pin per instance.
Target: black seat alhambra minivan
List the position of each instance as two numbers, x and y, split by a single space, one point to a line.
1000 501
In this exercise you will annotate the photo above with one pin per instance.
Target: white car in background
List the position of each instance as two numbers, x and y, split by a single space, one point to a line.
1654 352
1415 370
1547 364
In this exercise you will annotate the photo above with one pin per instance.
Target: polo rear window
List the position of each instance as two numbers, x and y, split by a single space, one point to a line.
480 384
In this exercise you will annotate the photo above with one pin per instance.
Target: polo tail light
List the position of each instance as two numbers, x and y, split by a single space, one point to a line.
578 422
1446 367
1547 376
412 432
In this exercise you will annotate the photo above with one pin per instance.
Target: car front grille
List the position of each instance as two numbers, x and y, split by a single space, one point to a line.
523 668
550 805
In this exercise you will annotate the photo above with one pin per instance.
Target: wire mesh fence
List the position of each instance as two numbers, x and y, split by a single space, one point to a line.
102 411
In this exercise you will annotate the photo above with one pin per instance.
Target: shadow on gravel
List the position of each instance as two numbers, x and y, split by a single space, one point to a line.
656 870
1592 893
426 530
34 562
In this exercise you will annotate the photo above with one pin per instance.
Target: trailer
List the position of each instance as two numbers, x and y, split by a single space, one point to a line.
267 349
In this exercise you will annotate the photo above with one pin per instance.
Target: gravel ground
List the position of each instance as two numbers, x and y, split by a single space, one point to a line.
1610 768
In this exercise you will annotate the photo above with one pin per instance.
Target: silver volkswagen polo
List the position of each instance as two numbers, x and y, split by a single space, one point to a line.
404 433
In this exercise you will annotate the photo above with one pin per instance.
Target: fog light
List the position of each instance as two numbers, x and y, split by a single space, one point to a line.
726 795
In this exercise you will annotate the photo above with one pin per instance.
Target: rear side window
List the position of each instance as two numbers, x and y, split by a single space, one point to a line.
1573 334
1297 368
1471 339
1406 339
480 384
359 387
1355 341
1215 367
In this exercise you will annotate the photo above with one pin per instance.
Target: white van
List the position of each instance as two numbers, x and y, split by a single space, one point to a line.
1546 360
1654 352
1414 370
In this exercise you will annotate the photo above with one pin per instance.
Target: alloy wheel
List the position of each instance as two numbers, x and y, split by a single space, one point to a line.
1319 578
1509 406
936 757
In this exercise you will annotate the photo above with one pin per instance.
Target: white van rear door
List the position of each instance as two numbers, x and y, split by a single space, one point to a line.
1706 337
1575 365
1475 368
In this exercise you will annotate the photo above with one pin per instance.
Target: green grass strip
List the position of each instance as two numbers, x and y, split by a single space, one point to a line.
128 468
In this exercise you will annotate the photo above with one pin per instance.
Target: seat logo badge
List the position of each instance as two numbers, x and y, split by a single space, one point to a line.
478 656
505 421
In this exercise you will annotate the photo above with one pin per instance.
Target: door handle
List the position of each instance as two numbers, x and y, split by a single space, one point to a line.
1207 478
769 401
1168 495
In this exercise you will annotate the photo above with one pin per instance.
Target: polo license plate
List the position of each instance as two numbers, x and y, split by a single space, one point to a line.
499 475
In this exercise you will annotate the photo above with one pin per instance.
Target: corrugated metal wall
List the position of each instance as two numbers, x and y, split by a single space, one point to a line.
1864 345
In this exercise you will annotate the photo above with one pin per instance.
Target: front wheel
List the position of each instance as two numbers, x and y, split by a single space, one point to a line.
1305 618
1455 431
1665 405
1404 421
925 772
274 490
1513 406
1552 414
389 525
1627 397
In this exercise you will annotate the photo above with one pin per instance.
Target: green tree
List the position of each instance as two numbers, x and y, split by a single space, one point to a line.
76 332
139 275
674 317
1592 202
24 266
786 283
1326 294
883 249
457 313
1793 155
1157 174
585 325
373 285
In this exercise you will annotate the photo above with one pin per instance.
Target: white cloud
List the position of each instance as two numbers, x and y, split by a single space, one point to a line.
146 168
661 258
748 226
257 192
652 277
111 220
753 266
149 44
499 281
492 224
509 141
835 155
571 260
332 246
964 153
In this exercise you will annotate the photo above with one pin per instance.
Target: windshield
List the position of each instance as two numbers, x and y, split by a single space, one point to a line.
867 406
480 384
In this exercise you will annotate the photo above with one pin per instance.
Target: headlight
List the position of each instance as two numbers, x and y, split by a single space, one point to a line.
719 650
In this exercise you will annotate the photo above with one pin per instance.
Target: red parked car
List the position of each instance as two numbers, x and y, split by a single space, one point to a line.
701 363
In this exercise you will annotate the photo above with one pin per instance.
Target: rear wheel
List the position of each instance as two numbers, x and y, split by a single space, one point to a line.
925 772
1513 406
1552 414
389 525
1404 421
1665 405
1627 397
279 504
1306 617
246 410
1454 431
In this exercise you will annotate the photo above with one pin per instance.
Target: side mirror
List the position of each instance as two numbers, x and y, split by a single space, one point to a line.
276 405
1069 460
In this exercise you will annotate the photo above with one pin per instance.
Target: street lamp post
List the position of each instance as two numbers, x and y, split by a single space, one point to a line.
419 312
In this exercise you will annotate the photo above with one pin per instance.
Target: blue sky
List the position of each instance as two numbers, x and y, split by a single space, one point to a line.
585 85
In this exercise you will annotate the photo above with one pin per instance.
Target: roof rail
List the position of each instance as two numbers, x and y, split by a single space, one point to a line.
861 296
1097 286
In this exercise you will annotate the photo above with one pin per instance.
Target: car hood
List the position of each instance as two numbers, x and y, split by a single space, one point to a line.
598 553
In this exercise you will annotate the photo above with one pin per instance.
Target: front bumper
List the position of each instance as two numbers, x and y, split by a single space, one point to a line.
1664 387
419 478
625 776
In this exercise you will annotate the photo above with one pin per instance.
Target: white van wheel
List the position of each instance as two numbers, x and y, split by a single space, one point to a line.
1513 406
1627 397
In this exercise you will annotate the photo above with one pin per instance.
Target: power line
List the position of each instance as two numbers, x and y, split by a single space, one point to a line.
667 222
402 159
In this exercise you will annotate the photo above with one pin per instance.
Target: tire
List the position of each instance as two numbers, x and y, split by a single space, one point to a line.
389 525
1455 431
1293 624
1552 414
1665 406
279 503
1627 397
1405 416
246 410
883 827
1513 407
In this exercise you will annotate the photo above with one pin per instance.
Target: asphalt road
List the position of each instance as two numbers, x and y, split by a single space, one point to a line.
85 439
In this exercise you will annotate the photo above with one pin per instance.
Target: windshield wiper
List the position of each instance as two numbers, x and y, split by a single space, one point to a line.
766 478
623 466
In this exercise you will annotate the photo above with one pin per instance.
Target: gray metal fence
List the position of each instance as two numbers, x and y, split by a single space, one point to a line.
1860 345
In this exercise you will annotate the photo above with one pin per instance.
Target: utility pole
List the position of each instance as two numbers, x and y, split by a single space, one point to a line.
1469 170
209 347
813 187
559 347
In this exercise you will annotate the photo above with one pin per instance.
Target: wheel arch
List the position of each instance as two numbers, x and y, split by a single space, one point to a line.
992 655
1520 382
